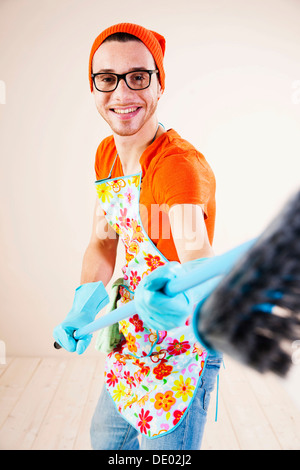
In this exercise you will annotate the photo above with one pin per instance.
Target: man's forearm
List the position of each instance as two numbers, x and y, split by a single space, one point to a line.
189 232
98 264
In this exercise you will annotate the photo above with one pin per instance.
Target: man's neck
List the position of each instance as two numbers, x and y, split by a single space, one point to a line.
130 148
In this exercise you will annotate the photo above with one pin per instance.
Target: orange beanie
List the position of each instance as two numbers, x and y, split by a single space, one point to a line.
153 41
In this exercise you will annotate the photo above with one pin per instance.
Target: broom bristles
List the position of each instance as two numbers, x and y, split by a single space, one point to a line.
233 319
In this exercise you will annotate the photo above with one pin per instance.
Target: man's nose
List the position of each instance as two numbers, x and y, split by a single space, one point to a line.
122 89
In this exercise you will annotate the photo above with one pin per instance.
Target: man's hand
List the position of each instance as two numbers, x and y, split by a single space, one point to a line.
89 299
155 307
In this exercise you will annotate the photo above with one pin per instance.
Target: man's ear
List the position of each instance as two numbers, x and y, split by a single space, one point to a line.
160 91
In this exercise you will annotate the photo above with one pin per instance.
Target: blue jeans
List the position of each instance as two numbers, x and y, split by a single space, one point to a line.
110 431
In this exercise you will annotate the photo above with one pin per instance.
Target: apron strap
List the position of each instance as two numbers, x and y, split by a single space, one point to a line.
217 398
109 176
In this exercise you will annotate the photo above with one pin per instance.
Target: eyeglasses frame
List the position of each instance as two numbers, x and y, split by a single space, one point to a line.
123 77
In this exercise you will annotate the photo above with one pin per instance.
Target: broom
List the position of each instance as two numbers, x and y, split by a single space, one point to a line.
248 298
253 314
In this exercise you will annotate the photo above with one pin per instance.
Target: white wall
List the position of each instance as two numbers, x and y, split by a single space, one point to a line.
232 69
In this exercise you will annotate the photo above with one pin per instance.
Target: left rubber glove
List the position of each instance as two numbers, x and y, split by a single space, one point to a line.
158 310
89 299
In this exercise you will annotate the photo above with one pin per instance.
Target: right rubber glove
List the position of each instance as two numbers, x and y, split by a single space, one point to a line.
157 309
89 299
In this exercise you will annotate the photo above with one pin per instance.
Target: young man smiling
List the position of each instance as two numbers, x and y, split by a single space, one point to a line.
157 383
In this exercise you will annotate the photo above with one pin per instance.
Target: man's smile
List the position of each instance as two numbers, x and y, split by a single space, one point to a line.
126 112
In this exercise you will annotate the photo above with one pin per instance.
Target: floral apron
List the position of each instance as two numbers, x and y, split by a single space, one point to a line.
152 376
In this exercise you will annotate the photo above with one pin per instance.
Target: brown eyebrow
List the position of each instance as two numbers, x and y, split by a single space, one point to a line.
132 69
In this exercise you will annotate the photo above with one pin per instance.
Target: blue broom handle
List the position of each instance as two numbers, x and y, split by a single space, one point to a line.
110 318
128 309
202 280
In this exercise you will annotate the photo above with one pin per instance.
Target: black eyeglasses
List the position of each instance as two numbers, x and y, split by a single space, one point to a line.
137 80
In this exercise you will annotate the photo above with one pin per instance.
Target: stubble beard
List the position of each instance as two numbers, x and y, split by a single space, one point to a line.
127 129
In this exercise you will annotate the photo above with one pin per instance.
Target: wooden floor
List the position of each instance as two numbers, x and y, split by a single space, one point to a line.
47 403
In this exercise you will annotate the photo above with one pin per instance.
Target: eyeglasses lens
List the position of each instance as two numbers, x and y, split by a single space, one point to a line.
135 81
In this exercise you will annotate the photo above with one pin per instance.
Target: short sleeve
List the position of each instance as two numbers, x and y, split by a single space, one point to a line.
183 179
104 158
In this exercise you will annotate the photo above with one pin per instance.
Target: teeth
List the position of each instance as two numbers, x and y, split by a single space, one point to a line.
125 111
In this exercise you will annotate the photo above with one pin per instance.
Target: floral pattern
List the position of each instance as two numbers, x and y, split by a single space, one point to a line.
104 192
183 389
151 375
144 420
153 261
178 415
164 401
177 347
162 370
137 322
134 279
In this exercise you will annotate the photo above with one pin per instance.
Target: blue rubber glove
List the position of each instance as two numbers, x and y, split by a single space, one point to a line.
157 309
89 299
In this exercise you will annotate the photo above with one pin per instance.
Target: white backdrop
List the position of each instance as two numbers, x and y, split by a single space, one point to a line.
232 90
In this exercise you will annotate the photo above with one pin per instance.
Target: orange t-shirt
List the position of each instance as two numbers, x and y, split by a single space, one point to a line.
173 172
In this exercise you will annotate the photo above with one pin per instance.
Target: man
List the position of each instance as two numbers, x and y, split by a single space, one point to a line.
157 193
